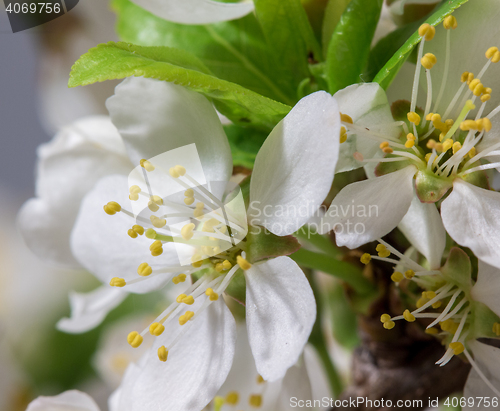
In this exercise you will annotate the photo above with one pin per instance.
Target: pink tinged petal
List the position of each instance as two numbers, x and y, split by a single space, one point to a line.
424 229
281 311
471 215
294 168
101 244
69 166
486 288
196 367
364 211
67 401
88 310
154 116
196 11
487 359
367 105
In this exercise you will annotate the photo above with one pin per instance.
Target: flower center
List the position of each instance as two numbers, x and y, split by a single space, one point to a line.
206 233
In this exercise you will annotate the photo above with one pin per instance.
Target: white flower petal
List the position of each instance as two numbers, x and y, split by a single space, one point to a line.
195 369
280 315
364 211
88 310
487 359
69 166
155 116
367 105
294 168
296 385
101 244
196 11
67 401
486 288
471 215
424 229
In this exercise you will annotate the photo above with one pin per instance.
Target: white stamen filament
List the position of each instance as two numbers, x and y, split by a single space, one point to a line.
446 310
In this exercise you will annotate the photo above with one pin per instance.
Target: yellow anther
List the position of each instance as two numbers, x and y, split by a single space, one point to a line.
413 118
255 400
438 147
397 277
448 325
428 157
156 248
232 398
260 380
472 152
487 124
189 192
488 90
179 278
437 304
147 165
219 268
211 294
187 231
343 135
408 316
456 146
150 233
156 329
478 90
162 353
384 318
183 319
134 193
496 329
189 300
112 208
449 122
180 297
387 150
431 143
464 77
158 222
154 203
226 265
421 302
493 54
382 251
468 125
180 170
365 258
432 331
457 347
427 31
450 22
447 144
428 60
485 97
132 233
409 274
389 325
173 172
474 83
117 282
384 144
134 339
411 137
244 264
144 269
409 143
470 78
139 229
198 212
345 118
429 294
197 264
133 197
189 200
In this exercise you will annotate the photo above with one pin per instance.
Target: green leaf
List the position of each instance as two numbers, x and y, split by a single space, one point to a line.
350 44
333 12
344 320
262 245
290 36
119 60
235 51
245 144
392 67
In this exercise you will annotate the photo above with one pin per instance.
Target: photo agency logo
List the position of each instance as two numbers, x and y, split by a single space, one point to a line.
26 14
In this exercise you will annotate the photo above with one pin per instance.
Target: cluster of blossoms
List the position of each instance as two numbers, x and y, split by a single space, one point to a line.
175 220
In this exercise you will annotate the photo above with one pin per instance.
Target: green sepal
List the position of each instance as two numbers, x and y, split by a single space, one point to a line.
430 187
262 245
390 167
482 321
237 288
119 60
458 269
478 179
